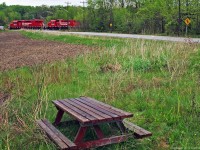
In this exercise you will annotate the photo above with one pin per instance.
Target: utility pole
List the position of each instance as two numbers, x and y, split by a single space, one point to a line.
186 30
122 4
111 17
197 24
68 3
179 17
83 2
67 9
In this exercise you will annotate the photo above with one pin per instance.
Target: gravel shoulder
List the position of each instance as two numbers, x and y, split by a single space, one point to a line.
129 36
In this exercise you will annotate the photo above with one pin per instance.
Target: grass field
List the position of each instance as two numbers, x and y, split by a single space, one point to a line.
159 82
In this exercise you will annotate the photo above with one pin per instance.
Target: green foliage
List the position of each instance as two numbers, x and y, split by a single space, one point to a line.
195 63
121 22
2 18
138 64
129 16
60 14
16 12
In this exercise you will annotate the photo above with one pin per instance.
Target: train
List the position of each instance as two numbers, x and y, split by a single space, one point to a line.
57 24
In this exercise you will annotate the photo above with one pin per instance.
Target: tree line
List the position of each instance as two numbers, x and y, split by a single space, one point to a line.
124 16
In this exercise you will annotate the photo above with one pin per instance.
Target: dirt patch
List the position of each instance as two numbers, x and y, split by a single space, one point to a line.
163 144
129 88
17 51
3 97
111 67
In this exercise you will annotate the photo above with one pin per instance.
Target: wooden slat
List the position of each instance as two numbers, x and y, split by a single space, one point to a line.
103 107
127 114
80 112
99 108
76 104
138 131
103 142
79 101
52 136
120 115
59 134
96 110
93 111
71 112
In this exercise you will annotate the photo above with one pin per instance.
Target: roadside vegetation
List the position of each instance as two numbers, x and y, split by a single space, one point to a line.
75 39
159 82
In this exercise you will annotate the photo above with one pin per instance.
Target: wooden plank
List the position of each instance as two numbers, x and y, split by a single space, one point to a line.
121 127
78 101
58 117
99 115
101 109
52 136
103 142
71 112
80 112
80 134
59 134
98 131
138 131
105 108
79 106
127 114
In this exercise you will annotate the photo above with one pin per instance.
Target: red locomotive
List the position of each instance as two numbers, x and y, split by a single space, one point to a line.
39 24
27 24
16 24
33 24
62 24
57 24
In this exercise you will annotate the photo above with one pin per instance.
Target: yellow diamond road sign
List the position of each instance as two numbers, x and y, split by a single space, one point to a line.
187 21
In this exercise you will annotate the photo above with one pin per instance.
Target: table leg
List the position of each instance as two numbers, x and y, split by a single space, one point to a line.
58 117
98 132
80 135
121 127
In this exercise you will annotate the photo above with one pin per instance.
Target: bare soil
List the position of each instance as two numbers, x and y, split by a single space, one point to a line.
3 97
17 51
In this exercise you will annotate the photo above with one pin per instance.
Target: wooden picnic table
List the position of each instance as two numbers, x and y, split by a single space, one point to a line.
90 113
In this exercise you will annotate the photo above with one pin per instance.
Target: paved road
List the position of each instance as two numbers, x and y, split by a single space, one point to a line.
134 36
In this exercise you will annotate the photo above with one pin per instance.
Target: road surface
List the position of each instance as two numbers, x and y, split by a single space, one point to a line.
130 36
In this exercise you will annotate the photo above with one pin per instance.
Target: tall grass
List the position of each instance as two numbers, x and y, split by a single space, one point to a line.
157 81
74 39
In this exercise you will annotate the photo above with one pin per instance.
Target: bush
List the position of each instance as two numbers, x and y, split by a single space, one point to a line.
138 64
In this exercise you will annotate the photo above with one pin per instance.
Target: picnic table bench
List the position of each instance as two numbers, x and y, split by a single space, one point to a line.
90 113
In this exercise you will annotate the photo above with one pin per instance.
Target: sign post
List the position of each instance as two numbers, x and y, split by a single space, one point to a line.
111 25
187 22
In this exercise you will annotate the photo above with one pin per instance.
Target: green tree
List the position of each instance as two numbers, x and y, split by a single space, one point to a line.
2 18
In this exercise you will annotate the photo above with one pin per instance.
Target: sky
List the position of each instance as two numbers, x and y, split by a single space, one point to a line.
41 2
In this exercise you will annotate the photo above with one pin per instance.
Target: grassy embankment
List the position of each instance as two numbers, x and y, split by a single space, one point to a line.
157 81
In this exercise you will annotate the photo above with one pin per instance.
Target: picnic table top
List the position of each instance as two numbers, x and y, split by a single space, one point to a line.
90 111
